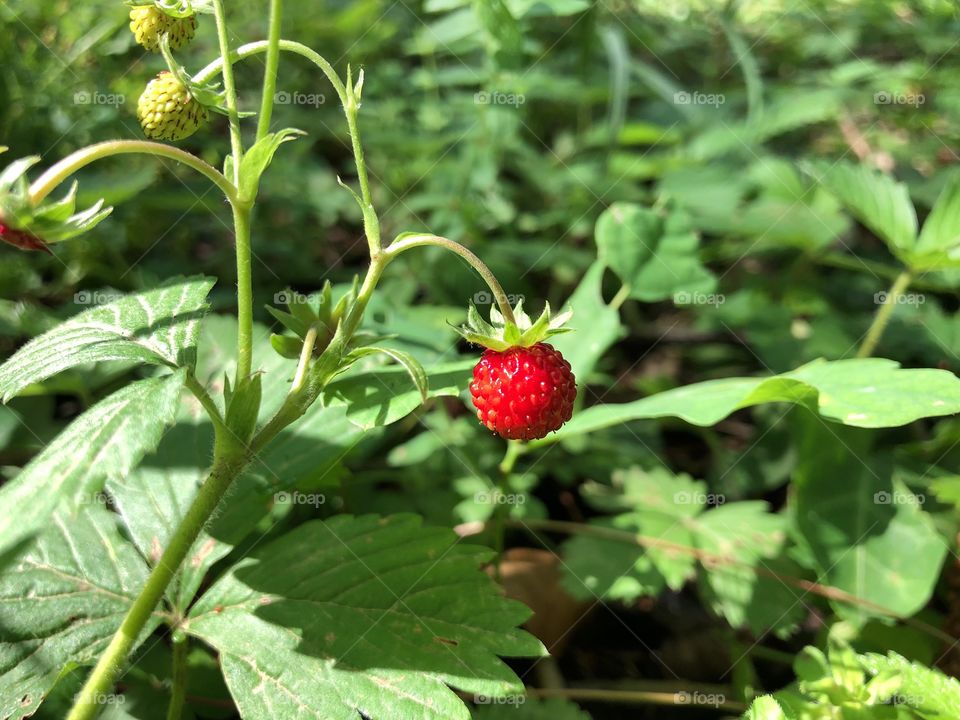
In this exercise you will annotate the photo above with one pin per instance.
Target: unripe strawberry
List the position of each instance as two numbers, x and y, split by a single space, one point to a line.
149 23
167 111
523 393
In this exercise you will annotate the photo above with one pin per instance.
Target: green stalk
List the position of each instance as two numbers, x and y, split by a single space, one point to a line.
270 71
230 90
880 320
241 213
60 171
412 241
348 100
181 647
500 510
226 467
241 224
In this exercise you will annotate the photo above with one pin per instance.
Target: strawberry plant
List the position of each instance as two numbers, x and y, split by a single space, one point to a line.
302 483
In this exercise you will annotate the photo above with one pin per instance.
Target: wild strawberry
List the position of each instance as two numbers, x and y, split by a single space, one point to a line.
522 387
149 23
22 239
167 110
523 393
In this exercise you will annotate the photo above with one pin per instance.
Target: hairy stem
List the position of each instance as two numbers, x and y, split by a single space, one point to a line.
500 508
230 90
178 693
270 70
60 171
350 109
99 684
241 224
880 320
203 397
412 241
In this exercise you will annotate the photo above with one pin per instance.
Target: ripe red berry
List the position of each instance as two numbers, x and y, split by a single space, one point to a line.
523 393
22 239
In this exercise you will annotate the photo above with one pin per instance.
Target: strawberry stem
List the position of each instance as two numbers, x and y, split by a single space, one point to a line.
411 241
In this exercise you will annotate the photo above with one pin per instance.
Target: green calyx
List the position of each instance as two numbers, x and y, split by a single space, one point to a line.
500 335
317 311
50 221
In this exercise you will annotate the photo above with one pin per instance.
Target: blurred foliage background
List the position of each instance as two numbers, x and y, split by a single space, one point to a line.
510 126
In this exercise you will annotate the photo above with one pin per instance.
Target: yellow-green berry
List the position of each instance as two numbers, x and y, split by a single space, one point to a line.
149 23
167 111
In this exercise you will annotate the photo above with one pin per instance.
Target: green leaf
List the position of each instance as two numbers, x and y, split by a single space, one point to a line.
528 708
655 257
108 440
929 692
369 615
257 159
742 591
598 327
662 506
157 327
386 394
870 392
879 202
61 599
866 535
413 367
939 242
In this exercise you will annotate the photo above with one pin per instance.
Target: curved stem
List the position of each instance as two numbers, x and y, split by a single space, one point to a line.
104 675
399 246
254 48
200 393
347 99
60 171
230 90
304 364
181 646
880 320
270 70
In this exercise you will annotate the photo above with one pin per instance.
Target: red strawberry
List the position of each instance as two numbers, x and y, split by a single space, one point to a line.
22 239
523 393
522 387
